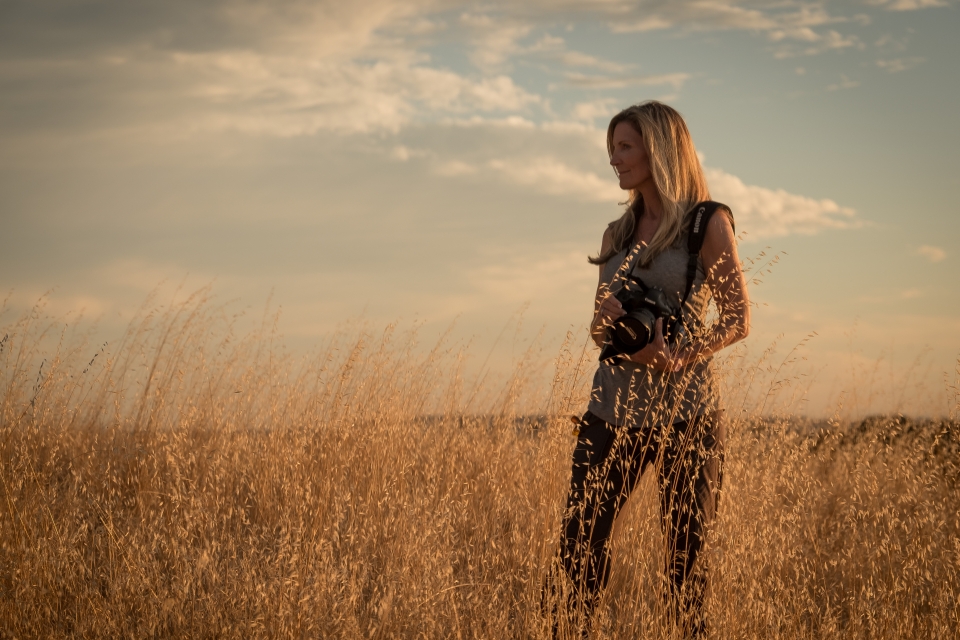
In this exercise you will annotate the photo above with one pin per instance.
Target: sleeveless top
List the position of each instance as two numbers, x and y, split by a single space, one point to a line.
636 395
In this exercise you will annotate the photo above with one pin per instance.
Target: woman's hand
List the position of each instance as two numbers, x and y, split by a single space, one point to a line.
657 354
609 310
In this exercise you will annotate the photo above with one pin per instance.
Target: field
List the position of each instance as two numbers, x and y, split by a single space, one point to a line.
194 482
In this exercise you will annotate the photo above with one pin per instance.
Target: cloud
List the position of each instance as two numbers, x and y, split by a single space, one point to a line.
293 96
555 49
931 253
787 20
767 213
891 43
899 64
845 83
568 162
60 29
674 80
709 15
455 168
291 68
559 158
494 41
280 95
588 112
285 69
554 177
831 41
908 5
793 26
497 40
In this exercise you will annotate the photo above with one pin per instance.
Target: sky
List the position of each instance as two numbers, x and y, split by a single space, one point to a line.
443 163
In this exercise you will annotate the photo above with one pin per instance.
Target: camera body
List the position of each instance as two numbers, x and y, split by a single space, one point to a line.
636 329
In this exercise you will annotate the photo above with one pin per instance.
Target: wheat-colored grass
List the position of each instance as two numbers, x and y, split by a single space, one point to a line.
190 482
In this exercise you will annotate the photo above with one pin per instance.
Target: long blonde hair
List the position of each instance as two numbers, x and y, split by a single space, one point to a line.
676 172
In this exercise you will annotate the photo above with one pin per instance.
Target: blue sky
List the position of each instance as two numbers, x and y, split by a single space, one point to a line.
435 161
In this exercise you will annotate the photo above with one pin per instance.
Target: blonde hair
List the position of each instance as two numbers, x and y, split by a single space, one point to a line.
676 172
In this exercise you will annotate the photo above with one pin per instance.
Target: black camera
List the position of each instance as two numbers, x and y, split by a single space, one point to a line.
636 329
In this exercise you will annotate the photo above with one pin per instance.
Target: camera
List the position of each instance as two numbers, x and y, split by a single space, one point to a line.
636 329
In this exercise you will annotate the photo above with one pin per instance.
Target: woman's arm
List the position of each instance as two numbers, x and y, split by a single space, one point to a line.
606 308
725 279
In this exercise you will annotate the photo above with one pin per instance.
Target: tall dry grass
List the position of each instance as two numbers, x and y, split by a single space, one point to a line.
193 482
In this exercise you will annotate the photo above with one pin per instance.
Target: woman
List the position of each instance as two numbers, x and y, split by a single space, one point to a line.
658 407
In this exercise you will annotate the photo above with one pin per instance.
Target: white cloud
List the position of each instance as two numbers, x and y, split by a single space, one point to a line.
404 153
455 168
891 43
555 49
908 5
567 161
493 94
702 16
648 23
314 30
559 158
494 40
832 41
931 253
845 83
297 69
674 80
292 96
579 59
835 40
786 20
588 112
508 122
899 64
552 176
767 213
285 70
792 25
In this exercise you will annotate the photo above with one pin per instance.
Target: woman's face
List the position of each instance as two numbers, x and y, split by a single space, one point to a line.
629 157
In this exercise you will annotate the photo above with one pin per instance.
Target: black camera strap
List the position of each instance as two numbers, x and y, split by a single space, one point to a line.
700 218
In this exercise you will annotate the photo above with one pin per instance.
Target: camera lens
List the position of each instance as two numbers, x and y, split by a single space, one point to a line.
634 330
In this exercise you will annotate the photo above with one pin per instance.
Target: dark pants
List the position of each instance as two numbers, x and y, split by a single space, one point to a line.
607 464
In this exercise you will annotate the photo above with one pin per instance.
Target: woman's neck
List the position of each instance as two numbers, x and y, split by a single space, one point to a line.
652 205
648 221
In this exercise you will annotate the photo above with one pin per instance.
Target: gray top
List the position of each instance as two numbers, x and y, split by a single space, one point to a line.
636 395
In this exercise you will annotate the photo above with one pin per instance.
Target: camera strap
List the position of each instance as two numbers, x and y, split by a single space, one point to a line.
699 219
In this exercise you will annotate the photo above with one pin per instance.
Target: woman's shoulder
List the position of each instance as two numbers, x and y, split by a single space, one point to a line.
721 223
719 238
722 215
720 220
